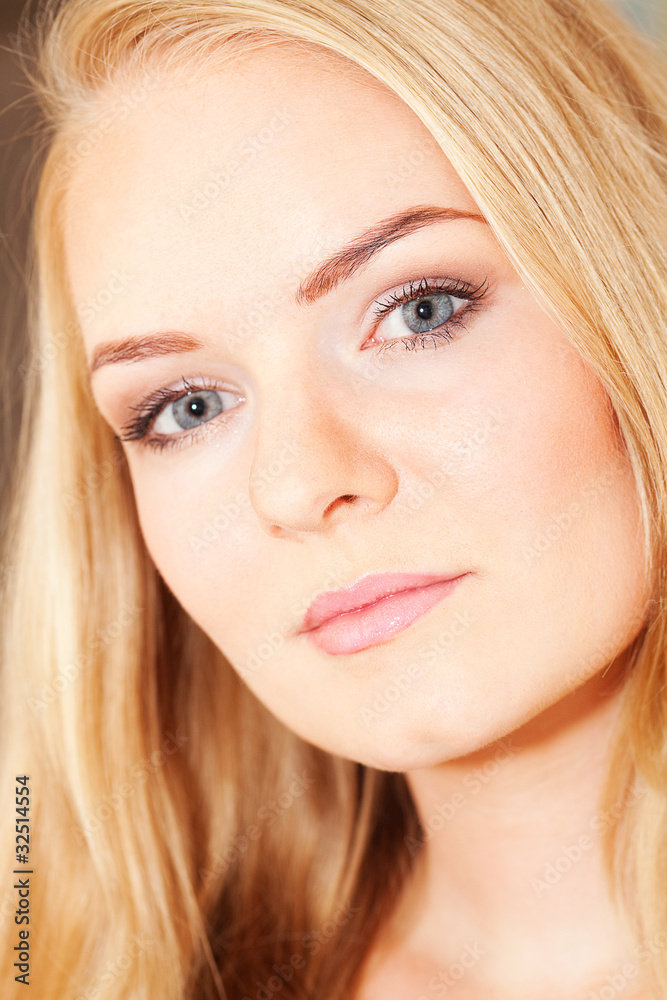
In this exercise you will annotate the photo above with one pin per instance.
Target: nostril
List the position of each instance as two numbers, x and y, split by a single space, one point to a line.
344 498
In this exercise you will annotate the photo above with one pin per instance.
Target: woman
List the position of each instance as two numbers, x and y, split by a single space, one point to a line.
335 643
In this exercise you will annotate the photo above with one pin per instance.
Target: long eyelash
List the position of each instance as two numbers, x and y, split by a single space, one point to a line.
416 290
150 408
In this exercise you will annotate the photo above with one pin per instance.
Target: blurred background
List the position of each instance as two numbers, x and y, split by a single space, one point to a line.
18 157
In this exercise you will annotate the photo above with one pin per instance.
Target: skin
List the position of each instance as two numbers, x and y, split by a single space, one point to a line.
336 460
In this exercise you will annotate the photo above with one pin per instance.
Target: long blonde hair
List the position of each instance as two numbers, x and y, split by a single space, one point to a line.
184 843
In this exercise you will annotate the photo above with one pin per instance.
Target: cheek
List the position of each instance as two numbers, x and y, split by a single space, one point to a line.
565 516
560 478
202 537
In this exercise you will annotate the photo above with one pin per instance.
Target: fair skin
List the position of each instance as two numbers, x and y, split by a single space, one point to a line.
334 460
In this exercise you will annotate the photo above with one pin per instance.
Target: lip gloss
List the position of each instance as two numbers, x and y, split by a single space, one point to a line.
376 623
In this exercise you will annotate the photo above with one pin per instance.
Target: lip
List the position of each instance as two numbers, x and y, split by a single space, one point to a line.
373 609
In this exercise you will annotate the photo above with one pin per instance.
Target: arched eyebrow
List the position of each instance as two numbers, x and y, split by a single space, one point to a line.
342 264
139 348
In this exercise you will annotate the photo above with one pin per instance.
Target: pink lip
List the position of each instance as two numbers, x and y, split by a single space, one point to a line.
373 609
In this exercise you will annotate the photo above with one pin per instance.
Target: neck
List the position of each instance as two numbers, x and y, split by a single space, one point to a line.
511 870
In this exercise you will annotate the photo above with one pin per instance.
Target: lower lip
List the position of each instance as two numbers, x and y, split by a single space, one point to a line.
357 630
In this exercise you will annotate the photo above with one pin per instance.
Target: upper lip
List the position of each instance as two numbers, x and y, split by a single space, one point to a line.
368 590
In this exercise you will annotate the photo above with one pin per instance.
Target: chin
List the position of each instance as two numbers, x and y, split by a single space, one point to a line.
406 742
413 756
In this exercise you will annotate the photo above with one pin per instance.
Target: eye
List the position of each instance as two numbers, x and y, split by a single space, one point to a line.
420 315
193 409
170 417
425 311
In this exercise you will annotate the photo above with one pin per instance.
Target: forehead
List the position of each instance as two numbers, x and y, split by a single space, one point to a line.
251 171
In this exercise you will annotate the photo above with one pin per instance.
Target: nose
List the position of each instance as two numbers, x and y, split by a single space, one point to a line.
315 463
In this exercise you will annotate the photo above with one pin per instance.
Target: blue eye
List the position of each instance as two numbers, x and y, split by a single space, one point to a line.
164 415
428 313
191 410
421 312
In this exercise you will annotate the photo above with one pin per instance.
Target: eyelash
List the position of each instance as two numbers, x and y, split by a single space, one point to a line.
150 408
422 289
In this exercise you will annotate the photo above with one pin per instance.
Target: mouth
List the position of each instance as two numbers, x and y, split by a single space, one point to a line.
373 610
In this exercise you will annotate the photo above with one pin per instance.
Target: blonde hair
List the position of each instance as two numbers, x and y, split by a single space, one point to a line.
149 760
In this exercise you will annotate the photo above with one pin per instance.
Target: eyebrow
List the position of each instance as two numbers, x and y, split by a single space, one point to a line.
353 256
335 269
139 348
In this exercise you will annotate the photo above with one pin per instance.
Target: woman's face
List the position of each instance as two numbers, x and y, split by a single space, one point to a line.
373 391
